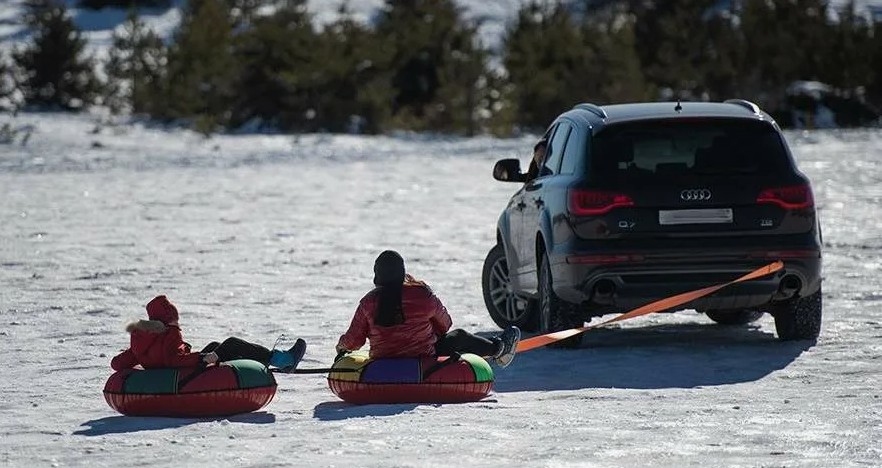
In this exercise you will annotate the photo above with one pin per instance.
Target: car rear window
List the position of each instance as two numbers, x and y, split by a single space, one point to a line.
680 147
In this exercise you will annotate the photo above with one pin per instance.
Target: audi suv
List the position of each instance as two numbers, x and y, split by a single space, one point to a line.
635 202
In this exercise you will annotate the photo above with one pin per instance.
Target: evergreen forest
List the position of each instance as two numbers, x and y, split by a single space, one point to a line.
235 65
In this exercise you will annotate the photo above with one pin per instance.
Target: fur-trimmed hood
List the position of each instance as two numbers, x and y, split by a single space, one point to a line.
154 344
149 326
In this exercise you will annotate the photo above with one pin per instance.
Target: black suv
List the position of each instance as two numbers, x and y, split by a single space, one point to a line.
635 202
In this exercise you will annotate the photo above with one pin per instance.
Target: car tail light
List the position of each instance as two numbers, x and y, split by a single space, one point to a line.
596 202
794 197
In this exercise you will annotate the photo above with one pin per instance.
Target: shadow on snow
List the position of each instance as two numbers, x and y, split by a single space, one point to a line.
339 410
650 357
124 424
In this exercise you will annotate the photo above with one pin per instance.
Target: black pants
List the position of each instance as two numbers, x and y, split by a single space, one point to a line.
234 348
461 341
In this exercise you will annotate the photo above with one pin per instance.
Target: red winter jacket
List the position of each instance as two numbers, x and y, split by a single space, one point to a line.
425 319
155 344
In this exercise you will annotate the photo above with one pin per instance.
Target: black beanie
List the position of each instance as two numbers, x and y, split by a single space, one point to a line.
389 268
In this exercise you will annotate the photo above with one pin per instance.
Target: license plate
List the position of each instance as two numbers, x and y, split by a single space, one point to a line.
701 216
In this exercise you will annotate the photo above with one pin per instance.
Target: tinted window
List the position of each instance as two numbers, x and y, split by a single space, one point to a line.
555 150
572 154
684 148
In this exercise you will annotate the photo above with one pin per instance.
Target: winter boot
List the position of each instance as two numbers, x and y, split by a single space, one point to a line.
288 360
508 346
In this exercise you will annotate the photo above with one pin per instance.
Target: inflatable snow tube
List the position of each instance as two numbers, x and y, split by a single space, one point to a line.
361 380
232 387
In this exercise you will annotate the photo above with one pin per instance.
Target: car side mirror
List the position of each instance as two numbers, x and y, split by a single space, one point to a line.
508 170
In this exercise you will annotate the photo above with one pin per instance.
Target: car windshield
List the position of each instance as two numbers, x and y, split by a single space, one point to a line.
680 147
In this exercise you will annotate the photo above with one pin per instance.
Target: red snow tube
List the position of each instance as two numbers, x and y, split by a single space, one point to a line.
232 387
361 380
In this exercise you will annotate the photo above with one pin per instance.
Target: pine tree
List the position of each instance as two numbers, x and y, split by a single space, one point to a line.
671 34
462 84
243 11
546 64
354 95
874 81
10 97
849 68
98 4
759 76
57 72
846 66
723 58
786 40
436 66
812 30
281 71
135 68
201 68
615 74
497 106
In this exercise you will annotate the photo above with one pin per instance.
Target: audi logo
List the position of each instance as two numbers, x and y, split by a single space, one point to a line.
695 195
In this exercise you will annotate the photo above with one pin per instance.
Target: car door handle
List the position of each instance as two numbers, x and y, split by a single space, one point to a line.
533 187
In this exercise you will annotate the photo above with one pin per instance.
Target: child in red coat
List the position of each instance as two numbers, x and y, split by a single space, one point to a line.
157 342
403 318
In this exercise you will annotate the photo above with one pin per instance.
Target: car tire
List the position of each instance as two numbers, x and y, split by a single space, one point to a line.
505 307
734 317
555 314
799 318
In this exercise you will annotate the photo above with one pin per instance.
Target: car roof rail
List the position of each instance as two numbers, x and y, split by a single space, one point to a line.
745 104
593 108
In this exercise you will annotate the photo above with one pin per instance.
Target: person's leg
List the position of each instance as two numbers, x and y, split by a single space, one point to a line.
235 348
461 341
501 348
210 347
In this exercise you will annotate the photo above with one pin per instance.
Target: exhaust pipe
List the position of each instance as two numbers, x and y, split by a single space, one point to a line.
789 287
603 292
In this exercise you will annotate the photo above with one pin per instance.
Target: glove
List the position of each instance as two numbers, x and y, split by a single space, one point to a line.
209 358
341 351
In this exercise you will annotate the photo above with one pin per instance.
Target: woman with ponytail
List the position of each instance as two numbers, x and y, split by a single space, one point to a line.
402 317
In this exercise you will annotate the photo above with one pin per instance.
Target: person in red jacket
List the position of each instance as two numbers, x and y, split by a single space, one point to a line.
402 317
157 342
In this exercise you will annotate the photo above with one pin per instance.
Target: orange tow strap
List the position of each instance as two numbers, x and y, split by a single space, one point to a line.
657 306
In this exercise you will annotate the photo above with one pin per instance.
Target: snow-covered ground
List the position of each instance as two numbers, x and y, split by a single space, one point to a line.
256 236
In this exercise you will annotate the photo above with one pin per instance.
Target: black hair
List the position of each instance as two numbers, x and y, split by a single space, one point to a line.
389 310
389 279
542 143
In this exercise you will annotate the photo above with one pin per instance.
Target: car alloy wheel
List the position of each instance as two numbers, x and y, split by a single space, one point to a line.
505 306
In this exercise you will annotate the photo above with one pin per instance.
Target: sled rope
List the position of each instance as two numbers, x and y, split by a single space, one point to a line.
657 306
318 370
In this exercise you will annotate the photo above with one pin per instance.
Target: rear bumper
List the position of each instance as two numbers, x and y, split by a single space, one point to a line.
631 281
